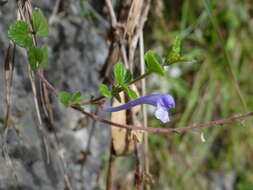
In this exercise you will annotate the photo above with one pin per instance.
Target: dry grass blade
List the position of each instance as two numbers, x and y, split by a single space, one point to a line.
8 76
111 13
144 110
139 25
133 17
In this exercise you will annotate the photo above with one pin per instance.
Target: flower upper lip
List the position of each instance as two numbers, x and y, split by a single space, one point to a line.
162 102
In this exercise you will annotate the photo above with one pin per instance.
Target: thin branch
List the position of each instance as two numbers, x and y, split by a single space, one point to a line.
138 173
111 169
155 130
166 130
144 108
96 100
45 81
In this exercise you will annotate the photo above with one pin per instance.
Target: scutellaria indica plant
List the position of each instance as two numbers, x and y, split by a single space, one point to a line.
21 33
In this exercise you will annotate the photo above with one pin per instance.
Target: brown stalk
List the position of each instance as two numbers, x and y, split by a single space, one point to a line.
8 75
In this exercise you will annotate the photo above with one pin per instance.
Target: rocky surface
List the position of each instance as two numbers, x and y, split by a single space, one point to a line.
76 53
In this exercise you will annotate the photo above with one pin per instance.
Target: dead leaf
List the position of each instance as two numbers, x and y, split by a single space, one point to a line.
123 139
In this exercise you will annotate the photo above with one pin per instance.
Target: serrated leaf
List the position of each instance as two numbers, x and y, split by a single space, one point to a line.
158 58
152 63
173 58
175 54
19 34
77 98
40 23
132 94
176 48
38 57
34 56
178 59
64 98
105 91
122 75
128 76
119 73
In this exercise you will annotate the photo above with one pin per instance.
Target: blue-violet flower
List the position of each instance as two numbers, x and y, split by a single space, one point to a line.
163 102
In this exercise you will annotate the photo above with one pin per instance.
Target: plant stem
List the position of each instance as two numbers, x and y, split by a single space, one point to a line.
92 101
139 78
166 130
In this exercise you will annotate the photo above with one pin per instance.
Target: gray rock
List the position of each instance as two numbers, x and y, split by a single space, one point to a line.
76 54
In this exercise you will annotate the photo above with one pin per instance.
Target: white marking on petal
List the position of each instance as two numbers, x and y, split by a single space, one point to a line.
162 115
203 139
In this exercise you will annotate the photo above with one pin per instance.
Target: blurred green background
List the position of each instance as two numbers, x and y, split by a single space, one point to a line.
218 34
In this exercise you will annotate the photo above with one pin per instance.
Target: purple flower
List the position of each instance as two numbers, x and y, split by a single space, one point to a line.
163 102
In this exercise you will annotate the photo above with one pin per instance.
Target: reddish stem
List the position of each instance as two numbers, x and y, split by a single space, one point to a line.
149 129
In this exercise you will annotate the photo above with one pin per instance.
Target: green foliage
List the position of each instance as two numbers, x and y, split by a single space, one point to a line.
38 57
19 34
121 74
105 91
176 49
153 64
40 23
132 94
122 77
207 93
175 54
77 98
66 99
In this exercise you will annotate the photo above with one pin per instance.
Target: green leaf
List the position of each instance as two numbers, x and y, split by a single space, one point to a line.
158 58
19 34
185 59
77 98
64 98
34 56
119 73
44 61
176 48
132 94
38 57
40 23
105 91
122 75
128 76
153 64
175 54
